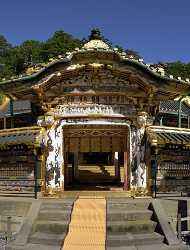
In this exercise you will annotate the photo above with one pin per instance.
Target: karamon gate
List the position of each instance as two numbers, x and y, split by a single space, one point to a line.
96 103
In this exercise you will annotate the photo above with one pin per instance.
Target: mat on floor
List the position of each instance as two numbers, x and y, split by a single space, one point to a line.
87 229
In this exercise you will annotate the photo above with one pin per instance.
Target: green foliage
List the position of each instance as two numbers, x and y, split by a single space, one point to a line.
58 44
23 55
15 59
4 47
179 69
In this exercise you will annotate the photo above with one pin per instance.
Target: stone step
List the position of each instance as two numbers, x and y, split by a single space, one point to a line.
96 167
104 168
57 206
134 227
96 175
104 193
135 239
148 247
87 171
122 204
52 226
47 238
96 171
17 194
96 180
93 175
100 173
54 215
101 179
145 201
31 246
125 207
119 215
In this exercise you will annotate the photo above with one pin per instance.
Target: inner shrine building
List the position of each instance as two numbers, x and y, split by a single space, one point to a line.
95 117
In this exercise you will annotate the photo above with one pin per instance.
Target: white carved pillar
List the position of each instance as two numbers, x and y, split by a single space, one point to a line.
54 148
61 156
140 150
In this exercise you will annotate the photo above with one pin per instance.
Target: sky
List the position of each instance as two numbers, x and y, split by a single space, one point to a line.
158 30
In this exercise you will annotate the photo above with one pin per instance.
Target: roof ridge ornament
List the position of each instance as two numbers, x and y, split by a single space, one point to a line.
95 35
96 41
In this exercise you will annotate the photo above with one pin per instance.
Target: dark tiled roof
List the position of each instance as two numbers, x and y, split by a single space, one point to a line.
172 107
171 135
19 107
25 135
174 137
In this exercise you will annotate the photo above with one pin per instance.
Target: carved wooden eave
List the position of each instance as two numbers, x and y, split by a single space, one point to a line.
59 78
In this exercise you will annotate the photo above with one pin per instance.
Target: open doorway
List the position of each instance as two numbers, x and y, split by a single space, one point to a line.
94 156
95 170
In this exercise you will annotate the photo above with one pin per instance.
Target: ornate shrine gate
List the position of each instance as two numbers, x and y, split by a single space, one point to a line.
95 99
94 139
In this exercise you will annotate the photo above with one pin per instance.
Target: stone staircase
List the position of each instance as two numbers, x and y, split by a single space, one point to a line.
52 224
130 226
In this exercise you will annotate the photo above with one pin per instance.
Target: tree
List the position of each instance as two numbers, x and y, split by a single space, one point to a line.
30 50
59 43
4 47
178 69
24 55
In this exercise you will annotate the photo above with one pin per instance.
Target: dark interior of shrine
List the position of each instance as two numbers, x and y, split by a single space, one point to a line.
94 170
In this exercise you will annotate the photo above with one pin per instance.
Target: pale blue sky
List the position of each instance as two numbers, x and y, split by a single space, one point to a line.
158 30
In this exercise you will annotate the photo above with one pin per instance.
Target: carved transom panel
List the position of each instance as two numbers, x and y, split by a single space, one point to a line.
97 139
84 98
95 132
93 109
95 105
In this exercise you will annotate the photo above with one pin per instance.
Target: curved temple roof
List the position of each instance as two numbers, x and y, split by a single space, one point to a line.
93 55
